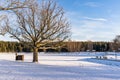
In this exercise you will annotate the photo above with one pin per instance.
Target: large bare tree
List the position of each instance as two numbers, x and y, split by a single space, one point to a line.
40 23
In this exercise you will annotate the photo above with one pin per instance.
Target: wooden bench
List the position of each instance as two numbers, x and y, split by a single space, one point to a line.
19 57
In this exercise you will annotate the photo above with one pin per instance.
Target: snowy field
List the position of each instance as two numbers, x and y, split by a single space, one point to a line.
62 66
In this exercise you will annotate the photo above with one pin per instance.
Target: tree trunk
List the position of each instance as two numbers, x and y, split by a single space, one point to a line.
35 54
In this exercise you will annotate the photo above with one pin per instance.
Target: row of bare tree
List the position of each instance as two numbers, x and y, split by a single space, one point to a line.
88 46
92 46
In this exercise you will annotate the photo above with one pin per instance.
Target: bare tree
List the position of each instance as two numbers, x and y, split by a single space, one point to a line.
13 4
39 24
117 42
10 5
89 45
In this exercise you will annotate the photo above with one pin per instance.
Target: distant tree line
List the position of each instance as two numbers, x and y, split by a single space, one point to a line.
13 47
88 46
69 46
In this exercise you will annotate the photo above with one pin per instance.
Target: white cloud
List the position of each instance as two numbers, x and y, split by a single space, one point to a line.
95 19
91 4
87 4
95 29
6 38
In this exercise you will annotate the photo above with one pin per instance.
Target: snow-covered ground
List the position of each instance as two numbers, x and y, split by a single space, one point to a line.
59 66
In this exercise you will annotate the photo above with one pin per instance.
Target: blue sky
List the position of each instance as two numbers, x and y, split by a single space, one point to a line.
96 20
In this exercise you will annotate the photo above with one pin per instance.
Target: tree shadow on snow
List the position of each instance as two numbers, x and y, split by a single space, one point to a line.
36 70
102 61
50 72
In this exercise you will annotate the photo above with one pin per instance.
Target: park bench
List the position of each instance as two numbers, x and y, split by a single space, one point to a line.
106 55
19 57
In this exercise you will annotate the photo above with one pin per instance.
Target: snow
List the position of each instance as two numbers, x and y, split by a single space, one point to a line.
59 66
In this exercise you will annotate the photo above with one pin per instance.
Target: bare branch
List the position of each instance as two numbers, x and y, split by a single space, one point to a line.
39 23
